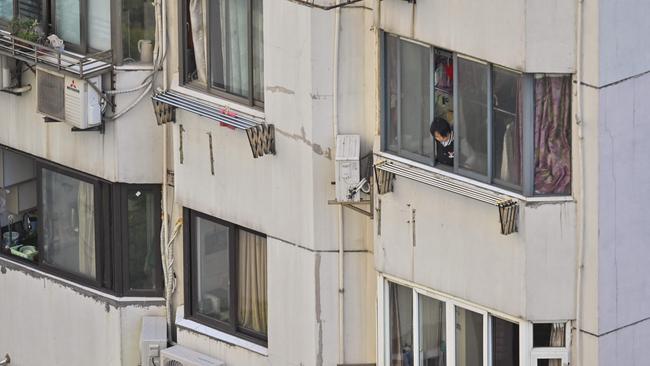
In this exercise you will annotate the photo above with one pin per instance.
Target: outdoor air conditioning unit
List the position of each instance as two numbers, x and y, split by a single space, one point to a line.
347 168
153 339
181 356
69 99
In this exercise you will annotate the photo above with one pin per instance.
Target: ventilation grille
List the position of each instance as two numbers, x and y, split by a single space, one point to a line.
173 363
51 96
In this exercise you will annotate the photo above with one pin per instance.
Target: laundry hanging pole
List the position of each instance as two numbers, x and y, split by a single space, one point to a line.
313 4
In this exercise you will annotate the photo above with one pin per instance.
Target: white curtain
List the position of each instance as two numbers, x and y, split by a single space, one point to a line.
67 19
234 40
6 9
252 304
86 212
198 38
99 24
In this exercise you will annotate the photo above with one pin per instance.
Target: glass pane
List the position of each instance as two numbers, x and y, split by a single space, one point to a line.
213 268
549 335
549 362
508 115
469 338
432 332
68 223
229 42
32 9
66 20
442 126
553 135
251 286
401 325
505 343
99 25
258 51
472 116
138 24
392 93
6 9
142 239
415 104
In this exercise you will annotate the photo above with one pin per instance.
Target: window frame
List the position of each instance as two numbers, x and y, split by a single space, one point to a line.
191 290
550 353
120 218
526 187
110 269
450 321
183 27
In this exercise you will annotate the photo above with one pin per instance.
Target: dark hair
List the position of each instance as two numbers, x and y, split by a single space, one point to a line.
441 126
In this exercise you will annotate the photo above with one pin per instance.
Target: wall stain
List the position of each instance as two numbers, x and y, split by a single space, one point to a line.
316 148
3 269
280 89
320 96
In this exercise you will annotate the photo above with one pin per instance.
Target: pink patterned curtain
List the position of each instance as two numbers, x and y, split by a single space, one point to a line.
553 135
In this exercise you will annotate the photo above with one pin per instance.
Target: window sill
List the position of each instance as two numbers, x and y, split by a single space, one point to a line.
470 183
258 115
118 302
136 66
195 327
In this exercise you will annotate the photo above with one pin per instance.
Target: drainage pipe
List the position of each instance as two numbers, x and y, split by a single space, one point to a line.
582 222
335 123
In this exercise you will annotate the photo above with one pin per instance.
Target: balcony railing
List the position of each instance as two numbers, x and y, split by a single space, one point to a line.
64 61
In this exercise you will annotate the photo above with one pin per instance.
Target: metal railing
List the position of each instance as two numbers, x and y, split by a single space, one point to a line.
64 61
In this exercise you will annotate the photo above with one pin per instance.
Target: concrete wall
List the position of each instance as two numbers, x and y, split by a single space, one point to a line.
48 321
531 35
624 184
129 151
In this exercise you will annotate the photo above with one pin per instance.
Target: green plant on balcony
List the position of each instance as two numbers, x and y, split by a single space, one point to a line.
26 29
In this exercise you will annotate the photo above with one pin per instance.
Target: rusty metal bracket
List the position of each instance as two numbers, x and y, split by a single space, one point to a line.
164 112
262 140
508 213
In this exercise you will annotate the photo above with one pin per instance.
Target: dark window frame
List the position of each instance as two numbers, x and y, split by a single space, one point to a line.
110 244
191 290
184 27
527 178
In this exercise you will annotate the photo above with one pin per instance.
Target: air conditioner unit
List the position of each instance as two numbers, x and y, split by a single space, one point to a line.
347 169
69 99
153 339
181 356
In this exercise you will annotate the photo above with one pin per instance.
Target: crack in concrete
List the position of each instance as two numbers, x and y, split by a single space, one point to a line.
316 148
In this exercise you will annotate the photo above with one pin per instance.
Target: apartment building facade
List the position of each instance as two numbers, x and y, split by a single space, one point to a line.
501 222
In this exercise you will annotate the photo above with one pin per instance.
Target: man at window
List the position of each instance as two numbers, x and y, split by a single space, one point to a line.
441 131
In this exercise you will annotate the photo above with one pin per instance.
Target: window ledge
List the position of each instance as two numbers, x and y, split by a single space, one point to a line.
118 302
258 115
134 67
195 327
467 183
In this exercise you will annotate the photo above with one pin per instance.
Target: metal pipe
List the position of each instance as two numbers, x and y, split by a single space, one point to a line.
6 360
312 4
335 123
581 191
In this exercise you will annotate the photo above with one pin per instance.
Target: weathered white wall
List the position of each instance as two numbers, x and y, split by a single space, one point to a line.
285 196
129 151
531 35
46 321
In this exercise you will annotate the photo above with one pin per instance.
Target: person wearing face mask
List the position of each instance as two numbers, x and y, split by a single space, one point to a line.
444 135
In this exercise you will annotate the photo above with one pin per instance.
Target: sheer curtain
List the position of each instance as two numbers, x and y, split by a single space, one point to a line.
557 340
99 25
67 19
86 229
6 10
258 50
553 135
229 46
252 304
198 39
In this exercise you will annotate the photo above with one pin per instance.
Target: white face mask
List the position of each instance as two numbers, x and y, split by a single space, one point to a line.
449 140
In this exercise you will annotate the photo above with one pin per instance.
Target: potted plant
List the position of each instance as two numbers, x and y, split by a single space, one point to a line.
26 29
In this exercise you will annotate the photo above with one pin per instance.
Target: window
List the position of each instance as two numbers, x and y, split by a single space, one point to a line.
10 9
225 273
549 344
476 119
100 234
446 332
138 31
233 64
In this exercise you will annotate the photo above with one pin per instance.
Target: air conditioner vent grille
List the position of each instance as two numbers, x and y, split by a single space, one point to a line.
51 96
173 363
